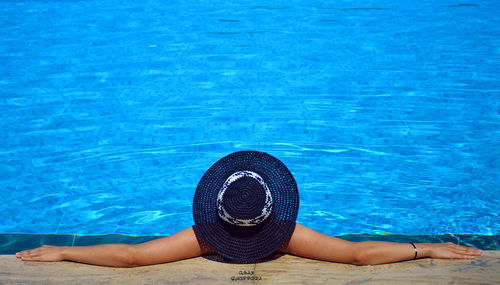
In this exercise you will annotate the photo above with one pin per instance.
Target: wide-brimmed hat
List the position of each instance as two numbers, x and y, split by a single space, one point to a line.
245 206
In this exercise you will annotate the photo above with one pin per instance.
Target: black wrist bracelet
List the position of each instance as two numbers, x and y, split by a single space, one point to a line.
415 248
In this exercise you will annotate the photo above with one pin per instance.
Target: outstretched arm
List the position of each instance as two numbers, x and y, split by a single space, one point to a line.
308 243
179 246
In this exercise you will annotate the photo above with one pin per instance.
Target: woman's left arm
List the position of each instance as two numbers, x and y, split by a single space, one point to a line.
308 243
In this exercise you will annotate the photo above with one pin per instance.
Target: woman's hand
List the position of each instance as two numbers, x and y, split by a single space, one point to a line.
448 251
43 253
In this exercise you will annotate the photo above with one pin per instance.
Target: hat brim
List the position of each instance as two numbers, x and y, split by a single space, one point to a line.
263 240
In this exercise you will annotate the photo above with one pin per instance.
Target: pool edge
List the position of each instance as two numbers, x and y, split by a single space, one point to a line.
287 269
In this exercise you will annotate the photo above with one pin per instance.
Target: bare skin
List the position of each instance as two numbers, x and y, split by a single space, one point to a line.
304 242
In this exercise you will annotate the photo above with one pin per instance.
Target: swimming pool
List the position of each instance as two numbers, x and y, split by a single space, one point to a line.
386 113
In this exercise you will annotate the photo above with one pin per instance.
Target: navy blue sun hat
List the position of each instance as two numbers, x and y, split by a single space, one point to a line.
245 206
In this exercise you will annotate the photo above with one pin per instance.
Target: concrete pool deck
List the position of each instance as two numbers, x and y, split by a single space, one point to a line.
286 269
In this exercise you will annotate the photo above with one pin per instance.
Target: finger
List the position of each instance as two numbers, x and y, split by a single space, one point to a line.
23 253
463 249
466 256
468 250
472 251
30 258
463 255
29 253
32 252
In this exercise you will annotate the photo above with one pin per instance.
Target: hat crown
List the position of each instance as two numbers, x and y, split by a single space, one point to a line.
244 199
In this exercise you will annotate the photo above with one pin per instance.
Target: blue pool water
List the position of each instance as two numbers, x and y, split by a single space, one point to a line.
386 112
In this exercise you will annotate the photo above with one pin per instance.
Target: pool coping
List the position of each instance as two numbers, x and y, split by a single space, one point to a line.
286 269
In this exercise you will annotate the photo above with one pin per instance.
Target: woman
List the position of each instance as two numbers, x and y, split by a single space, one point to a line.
244 208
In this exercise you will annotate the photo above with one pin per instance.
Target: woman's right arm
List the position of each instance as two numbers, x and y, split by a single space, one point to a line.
308 243
115 255
179 246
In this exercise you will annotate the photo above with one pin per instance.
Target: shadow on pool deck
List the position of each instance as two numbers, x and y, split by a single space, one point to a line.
287 269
